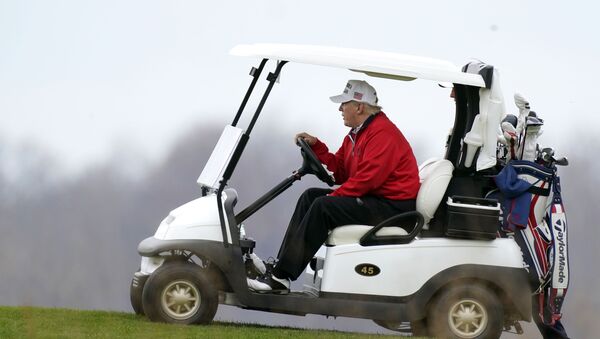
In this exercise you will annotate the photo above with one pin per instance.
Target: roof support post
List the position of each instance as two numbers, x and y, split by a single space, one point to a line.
255 73
272 77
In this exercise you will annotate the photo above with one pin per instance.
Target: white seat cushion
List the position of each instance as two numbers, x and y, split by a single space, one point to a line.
351 234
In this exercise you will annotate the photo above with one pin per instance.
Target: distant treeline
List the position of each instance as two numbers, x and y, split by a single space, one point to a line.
71 241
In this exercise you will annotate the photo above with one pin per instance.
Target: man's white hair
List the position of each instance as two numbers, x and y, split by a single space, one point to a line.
371 109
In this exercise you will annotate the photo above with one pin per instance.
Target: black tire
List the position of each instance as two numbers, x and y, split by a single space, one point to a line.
135 296
419 328
180 293
466 311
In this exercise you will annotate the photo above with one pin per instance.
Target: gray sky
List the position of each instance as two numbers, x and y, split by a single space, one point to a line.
88 78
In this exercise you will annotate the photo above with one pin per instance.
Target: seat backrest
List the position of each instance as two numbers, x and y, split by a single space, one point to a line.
435 176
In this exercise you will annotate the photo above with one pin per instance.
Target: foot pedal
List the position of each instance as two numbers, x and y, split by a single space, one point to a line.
518 327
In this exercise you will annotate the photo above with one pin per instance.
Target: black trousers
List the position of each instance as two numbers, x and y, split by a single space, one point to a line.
316 214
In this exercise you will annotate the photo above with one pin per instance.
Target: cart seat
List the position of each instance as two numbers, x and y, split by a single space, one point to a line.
351 234
434 175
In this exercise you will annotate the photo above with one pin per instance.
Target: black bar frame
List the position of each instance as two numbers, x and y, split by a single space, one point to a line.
237 153
267 197
255 73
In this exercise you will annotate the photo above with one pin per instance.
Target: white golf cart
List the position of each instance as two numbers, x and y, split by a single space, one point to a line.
438 271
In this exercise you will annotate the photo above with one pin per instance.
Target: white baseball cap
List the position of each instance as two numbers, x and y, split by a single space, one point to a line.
359 91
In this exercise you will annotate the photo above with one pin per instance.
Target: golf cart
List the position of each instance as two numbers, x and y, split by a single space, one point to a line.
439 271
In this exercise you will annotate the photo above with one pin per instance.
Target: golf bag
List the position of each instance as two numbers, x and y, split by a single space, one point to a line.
534 216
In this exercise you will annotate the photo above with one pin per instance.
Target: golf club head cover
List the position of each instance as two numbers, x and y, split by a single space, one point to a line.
511 119
510 134
523 106
529 145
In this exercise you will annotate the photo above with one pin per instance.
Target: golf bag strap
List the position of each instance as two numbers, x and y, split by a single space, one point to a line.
539 191
560 270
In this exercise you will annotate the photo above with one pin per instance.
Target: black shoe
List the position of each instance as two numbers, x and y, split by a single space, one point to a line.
268 283
269 266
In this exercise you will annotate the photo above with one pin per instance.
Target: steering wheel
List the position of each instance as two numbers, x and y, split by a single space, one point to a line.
312 165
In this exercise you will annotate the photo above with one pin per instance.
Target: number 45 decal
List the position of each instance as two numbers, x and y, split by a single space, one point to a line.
367 270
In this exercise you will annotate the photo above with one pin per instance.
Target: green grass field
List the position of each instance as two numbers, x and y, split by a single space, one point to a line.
33 322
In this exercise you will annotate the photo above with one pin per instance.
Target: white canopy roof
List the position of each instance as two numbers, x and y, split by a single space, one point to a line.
373 63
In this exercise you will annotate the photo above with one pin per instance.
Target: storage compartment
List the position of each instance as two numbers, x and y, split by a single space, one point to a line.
472 218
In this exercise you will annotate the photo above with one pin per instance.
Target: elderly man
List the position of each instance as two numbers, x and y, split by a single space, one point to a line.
378 177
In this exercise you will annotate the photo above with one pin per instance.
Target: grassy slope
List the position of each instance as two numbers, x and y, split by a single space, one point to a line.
33 322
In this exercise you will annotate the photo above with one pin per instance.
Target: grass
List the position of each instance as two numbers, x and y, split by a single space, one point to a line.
34 322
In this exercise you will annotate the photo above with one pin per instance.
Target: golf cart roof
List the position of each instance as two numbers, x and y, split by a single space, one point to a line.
373 63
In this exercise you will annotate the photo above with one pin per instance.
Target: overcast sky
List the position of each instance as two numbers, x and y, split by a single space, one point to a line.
86 78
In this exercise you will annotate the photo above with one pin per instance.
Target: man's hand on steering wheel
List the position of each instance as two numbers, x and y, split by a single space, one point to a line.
310 140
311 163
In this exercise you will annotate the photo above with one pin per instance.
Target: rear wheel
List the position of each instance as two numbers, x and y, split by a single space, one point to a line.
466 311
419 328
180 292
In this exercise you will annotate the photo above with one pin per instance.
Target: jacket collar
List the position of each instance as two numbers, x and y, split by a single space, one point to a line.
364 125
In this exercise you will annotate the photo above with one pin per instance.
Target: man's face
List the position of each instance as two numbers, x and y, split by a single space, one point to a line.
351 111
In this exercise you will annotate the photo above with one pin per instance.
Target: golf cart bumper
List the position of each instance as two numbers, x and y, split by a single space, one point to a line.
154 251
151 246
138 281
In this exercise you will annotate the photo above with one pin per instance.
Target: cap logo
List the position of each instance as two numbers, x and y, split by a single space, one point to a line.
358 96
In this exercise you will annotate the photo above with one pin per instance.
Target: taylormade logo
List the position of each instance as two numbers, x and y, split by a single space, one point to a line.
558 226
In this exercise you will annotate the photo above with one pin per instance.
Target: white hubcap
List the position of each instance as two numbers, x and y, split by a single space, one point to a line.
180 299
467 318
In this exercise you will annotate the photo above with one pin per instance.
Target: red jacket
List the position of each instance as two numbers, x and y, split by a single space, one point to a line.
379 162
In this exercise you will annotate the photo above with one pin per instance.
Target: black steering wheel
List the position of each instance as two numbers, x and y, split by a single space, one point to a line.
312 165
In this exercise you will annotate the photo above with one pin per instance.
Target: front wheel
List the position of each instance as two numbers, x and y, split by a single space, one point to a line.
181 293
135 292
466 311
